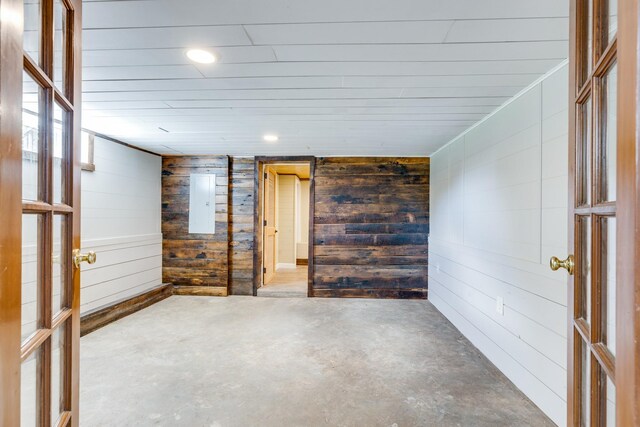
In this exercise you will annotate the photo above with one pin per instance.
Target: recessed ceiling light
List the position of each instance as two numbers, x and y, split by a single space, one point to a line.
271 138
201 56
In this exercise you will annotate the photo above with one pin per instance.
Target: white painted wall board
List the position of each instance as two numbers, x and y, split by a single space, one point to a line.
509 30
124 14
379 68
168 37
487 102
503 179
348 32
452 307
121 221
200 116
184 81
172 56
429 52
187 71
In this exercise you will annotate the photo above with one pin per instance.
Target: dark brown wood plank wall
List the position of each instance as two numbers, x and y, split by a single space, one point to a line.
241 225
194 259
371 227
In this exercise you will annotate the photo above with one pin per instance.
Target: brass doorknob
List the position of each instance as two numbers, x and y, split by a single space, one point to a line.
78 258
567 264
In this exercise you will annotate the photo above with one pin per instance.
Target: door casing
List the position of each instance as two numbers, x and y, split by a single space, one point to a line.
258 215
11 210
628 237
625 367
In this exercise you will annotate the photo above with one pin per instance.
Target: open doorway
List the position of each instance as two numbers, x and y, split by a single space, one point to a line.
283 243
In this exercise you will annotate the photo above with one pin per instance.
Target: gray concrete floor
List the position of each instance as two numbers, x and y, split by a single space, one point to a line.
245 361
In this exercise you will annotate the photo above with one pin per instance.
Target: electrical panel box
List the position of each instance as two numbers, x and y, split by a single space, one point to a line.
202 204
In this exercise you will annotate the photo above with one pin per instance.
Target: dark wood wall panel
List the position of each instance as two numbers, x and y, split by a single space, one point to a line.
241 220
194 260
371 227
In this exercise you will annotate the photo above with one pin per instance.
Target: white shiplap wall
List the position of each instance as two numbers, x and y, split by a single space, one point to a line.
498 212
121 223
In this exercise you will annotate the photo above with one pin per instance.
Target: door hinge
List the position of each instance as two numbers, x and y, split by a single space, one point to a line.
265 223
264 270
265 175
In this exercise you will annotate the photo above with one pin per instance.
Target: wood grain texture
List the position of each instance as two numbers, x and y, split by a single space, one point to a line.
371 226
75 81
194 259
369 230
241 209
96 319
11 212
206 291
628 227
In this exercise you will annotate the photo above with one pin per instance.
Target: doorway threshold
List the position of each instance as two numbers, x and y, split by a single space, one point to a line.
286 283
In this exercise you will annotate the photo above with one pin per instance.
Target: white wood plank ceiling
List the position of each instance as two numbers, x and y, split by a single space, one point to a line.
330 77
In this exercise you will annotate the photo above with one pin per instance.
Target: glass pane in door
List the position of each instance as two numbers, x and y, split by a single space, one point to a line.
59 45
586 48
58 372
608 138
584 267
610 392
31 41
608 281
60 144
583 153
59 273
31 95
31 242
585 384
612 21
29 389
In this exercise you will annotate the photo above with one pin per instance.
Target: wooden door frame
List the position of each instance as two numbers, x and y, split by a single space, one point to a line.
11 205
75 191
258 197
11 349
628 246
627 359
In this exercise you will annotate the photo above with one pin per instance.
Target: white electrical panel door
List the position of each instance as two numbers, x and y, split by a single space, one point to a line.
202 204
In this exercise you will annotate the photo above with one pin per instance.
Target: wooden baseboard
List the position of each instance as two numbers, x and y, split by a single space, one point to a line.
371 293
302 261
100 317
209 291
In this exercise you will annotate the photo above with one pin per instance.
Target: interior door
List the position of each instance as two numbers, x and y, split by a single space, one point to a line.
600 355
40 211
269 226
